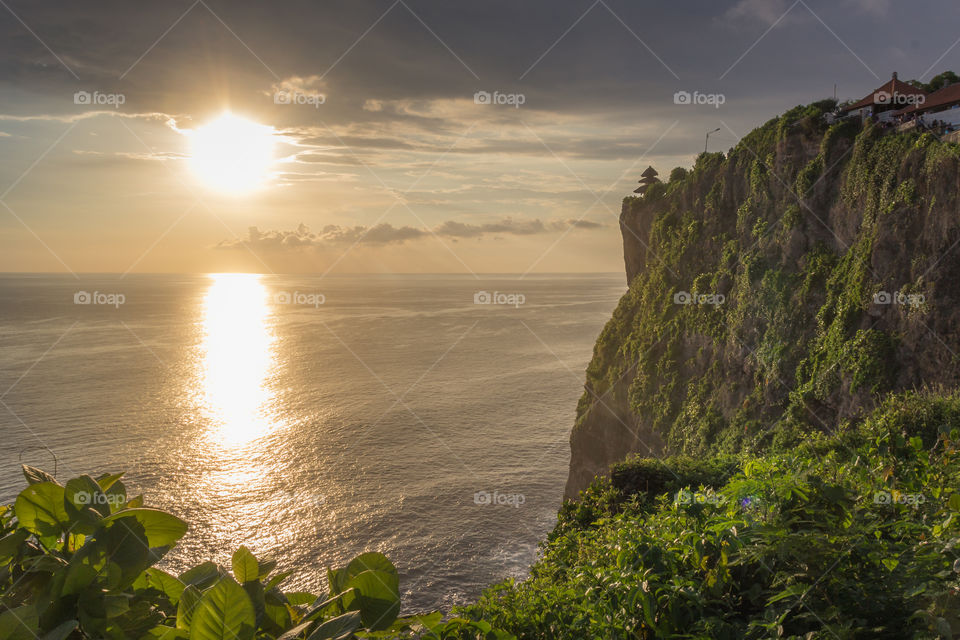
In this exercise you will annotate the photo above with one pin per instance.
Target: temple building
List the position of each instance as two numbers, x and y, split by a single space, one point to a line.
647 178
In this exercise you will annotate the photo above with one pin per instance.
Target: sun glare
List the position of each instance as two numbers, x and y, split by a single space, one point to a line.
231 154
238 356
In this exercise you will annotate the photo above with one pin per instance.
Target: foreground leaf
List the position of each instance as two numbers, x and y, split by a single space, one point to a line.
41 511
224 613
337 628
245 566
161 528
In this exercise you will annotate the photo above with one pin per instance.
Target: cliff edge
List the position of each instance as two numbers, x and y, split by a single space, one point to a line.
782 289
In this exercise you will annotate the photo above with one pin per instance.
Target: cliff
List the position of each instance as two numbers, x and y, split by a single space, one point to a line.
782 289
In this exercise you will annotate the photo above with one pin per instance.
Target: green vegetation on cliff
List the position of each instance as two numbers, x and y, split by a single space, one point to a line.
786 301
847 536
830 249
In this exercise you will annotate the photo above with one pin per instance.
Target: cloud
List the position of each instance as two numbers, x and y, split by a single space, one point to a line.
766 12
299 90
784 12
455 229
330 235
385 233
121 156
876 8
584 224
87 115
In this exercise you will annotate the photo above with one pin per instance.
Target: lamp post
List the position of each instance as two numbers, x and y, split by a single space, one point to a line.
707 141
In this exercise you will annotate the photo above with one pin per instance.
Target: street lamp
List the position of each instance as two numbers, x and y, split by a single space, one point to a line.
707 141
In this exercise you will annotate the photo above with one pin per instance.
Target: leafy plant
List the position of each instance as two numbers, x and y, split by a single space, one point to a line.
855 535
79 561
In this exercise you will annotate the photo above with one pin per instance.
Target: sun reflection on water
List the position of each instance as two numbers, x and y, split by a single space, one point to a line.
238 356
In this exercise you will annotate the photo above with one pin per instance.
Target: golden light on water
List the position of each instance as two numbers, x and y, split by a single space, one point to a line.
238 357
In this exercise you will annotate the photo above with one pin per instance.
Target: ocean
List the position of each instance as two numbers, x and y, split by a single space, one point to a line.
423 416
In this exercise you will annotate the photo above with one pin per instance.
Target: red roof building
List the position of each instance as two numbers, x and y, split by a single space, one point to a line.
946 98
883 101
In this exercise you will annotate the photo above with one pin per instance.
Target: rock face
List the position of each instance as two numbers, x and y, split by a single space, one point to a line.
777 291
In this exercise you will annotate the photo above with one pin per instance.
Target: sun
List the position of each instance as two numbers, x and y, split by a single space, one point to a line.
231 154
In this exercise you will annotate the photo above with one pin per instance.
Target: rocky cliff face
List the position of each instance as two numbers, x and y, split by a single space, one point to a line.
777 291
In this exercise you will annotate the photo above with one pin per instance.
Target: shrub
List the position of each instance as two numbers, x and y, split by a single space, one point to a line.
848 536
79 561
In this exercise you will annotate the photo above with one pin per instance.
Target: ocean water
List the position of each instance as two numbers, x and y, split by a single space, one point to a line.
311 419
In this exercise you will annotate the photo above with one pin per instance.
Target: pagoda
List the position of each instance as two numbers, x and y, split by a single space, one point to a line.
647 178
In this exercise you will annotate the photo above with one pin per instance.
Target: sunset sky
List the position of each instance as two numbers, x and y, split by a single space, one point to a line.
382 159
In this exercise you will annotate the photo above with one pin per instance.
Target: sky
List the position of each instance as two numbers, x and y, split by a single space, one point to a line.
401 135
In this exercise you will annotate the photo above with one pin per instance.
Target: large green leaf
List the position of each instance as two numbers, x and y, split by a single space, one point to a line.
337 628
85 504
117 496
189 600
245 566
316 610
62 631
266 566
20 623
41 511
167 584
378 598
10 545
337 579
161 528
296 632
166 633
277 615
108 479
84 493
371 561
201 576
115 557
224 613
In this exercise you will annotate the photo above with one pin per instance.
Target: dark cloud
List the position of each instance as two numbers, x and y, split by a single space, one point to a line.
584 224
565 56
385 233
